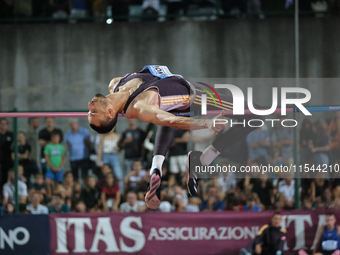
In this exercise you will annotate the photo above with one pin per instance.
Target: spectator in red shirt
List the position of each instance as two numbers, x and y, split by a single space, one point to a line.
110 193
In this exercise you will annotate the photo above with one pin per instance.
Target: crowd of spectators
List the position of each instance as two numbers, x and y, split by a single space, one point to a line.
98 179
124 10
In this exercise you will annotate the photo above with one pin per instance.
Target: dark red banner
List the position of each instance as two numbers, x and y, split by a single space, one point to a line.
175 233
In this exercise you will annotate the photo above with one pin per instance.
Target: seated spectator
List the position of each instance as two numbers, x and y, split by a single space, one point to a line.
165 206
251 204
91 194
137 179
232 204
110 195
286 189
105 170
9 188
21 176
328 240
180 200
132 204
213 182
9 209
72 188
150 9
168 180
193 205
39 185
269 240
58 205
321 184
55 158
213 202
24 149
80 207
227 181
326 201
36 207
265 191
307 204
307 187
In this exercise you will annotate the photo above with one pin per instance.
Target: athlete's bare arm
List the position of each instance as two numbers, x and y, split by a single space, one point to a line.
130 86
113 84
151 113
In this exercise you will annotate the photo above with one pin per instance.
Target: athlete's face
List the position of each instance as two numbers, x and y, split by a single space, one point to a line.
97 110
330 221
276 220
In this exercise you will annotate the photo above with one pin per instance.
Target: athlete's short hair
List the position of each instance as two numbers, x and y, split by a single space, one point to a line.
330 214
105 126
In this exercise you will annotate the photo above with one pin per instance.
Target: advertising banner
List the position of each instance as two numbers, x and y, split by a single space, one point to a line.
24 234
175 233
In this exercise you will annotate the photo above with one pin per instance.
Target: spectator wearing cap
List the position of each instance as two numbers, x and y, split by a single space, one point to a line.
78 142
132 204
36 207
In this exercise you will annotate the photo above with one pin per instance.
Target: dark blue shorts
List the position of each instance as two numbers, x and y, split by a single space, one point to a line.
56 176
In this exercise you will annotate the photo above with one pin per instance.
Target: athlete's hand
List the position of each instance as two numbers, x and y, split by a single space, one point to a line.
216 126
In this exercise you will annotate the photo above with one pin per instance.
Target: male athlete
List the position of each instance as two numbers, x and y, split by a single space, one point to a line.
156 95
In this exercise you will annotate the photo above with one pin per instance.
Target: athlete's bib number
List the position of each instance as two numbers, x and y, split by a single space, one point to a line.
161 71
329 245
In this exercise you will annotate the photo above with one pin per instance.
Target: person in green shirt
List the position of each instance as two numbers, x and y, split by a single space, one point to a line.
55 159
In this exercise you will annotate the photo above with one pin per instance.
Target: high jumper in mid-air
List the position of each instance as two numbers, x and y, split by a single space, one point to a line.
155 95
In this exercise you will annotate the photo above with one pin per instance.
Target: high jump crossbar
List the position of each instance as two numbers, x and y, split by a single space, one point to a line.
188 114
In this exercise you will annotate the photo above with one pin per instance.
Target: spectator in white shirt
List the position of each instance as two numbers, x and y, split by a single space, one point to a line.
132 204
36 207
8 190
193 205
287 193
